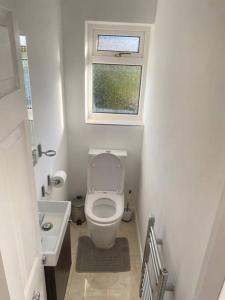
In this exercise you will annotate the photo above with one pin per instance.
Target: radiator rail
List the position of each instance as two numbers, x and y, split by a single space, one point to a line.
154 275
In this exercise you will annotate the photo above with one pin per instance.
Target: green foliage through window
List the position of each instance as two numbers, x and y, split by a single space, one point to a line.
116 88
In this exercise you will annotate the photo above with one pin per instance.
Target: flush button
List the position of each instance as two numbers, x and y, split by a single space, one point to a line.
108 151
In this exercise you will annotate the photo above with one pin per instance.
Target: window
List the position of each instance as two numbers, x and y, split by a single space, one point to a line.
26 75
116 63
27 86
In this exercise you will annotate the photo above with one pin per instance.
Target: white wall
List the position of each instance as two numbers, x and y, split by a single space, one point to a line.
3 284
80 135
41 22
7 4
183 156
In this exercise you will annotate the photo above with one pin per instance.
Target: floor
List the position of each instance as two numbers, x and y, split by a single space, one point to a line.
105 286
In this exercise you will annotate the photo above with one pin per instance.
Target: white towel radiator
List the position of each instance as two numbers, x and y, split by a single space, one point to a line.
154 275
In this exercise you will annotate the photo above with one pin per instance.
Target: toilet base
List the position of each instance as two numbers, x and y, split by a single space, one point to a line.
103 236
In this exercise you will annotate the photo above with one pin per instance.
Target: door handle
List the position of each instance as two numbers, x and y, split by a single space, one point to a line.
49 153
36 295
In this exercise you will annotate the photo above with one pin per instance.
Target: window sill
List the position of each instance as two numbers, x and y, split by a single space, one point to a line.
114 122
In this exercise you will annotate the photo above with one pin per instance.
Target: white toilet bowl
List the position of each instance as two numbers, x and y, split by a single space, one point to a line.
104 203
104 212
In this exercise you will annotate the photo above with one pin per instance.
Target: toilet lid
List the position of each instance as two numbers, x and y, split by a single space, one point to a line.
105 173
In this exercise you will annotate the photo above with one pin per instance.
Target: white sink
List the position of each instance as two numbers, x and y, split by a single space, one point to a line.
57 213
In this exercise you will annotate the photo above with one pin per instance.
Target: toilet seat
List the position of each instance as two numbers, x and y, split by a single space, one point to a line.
117 200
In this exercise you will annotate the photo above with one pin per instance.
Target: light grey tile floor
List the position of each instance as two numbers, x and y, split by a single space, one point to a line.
105 286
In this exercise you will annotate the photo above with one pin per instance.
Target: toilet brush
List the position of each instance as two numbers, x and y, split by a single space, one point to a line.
127 214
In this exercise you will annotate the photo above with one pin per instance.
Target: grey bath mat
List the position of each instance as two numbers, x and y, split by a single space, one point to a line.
92 259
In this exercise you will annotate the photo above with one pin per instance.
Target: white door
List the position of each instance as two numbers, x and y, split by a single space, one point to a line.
19 233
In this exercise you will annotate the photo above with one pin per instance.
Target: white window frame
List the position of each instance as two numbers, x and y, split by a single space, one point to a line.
92 30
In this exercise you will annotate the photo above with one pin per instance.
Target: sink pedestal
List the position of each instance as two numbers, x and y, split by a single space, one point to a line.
57 277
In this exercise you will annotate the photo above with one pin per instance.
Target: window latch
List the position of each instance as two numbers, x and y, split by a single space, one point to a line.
120 54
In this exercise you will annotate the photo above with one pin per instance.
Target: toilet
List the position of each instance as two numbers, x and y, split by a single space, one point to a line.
104 203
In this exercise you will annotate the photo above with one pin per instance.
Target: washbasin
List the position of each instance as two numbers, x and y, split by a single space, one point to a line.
53 220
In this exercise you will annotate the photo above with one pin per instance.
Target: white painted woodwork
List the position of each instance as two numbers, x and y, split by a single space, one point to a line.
19 234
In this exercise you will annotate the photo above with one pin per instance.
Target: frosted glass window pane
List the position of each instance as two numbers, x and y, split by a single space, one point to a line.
23 40
116 88
118 43
25 66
